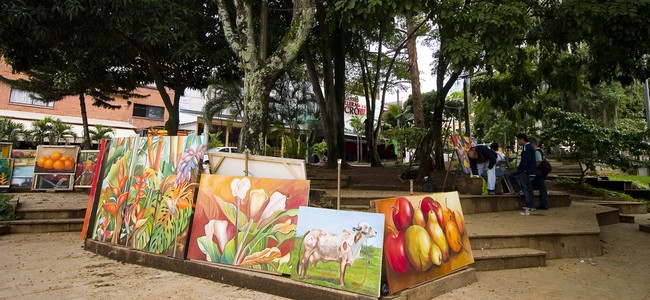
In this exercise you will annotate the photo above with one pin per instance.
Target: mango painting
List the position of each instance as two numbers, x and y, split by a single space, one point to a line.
425 238
247 221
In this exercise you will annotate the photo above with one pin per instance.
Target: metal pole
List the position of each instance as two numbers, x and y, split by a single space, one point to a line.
467 99
338 186
646 101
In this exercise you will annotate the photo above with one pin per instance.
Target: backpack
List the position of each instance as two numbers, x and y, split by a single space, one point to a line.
545 167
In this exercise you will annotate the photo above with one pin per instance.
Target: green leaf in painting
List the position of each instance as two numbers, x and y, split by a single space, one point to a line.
228 256
207 246
230 211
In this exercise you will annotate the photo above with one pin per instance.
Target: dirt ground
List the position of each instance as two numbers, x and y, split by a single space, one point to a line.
55 265
34 266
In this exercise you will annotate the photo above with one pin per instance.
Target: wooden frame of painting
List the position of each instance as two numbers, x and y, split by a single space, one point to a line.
52 182
339 249
85 171
6 170
5 150
23 173
419 246
56 159
94 195
237 164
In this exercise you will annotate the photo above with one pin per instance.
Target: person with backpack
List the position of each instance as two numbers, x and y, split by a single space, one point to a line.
520 177
539 180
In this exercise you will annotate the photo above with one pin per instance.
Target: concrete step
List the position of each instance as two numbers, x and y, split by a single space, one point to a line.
508 258
364 208
4 229
560 232
44 225
471 204
644 227
327 183
626 218
625 207
53 213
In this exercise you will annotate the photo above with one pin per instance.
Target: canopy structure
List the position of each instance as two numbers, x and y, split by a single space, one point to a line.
120 129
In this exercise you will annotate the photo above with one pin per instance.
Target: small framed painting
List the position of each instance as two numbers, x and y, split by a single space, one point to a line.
52 182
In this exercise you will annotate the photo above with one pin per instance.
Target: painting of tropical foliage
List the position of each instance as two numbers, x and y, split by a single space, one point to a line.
6 168
247 221
147 192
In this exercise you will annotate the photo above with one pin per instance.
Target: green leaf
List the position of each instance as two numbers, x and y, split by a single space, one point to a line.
228 256
207 246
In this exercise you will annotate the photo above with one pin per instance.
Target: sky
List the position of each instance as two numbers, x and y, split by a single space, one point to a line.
334 221
427 81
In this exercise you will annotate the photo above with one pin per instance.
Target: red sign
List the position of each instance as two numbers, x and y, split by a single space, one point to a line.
353 107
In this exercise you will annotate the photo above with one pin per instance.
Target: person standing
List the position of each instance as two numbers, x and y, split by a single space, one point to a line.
540 178
520 177
482 157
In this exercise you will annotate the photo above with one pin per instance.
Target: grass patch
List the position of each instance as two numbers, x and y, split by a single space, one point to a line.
363 276
6 210
638 182
588 190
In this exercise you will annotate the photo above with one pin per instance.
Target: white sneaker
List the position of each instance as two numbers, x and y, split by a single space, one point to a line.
525 212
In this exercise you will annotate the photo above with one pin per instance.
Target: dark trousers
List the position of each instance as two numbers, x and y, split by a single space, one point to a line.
521 182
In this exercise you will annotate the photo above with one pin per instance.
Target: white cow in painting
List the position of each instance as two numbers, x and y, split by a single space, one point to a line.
344 248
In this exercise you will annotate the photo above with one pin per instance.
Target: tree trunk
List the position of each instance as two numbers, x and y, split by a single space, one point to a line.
86 144
416 94
255 121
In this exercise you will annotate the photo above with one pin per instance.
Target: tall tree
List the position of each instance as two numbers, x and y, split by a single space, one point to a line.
260 72
62 57
325 61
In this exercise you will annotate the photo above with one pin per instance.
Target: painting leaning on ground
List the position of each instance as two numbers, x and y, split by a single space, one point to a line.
339 249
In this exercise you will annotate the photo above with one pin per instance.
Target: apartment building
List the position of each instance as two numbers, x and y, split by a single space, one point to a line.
134 115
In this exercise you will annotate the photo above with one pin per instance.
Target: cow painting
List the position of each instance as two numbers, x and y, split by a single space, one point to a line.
344 248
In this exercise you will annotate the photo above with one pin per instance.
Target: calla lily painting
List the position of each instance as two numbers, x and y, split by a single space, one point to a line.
246 221
147 192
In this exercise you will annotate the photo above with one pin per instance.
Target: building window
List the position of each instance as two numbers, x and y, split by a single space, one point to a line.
147 111
24 97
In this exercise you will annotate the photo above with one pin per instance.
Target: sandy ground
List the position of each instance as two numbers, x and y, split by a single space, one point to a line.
55 265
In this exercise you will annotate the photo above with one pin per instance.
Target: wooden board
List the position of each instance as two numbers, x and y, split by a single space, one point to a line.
234 164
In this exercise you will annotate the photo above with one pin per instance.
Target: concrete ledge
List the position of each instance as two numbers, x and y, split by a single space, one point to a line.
437 287
644 227
508 258
625 207
608 216
4 229
626 219
53 213
45 225
561 245
483 204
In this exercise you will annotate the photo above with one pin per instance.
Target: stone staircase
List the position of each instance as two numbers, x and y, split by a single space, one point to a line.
498 233
42 220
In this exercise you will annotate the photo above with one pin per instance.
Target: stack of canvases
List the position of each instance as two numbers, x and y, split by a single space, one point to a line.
147 191
264 224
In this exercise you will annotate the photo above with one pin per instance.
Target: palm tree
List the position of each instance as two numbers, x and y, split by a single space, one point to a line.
52 129
99 132
40 130
60 130
10 130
